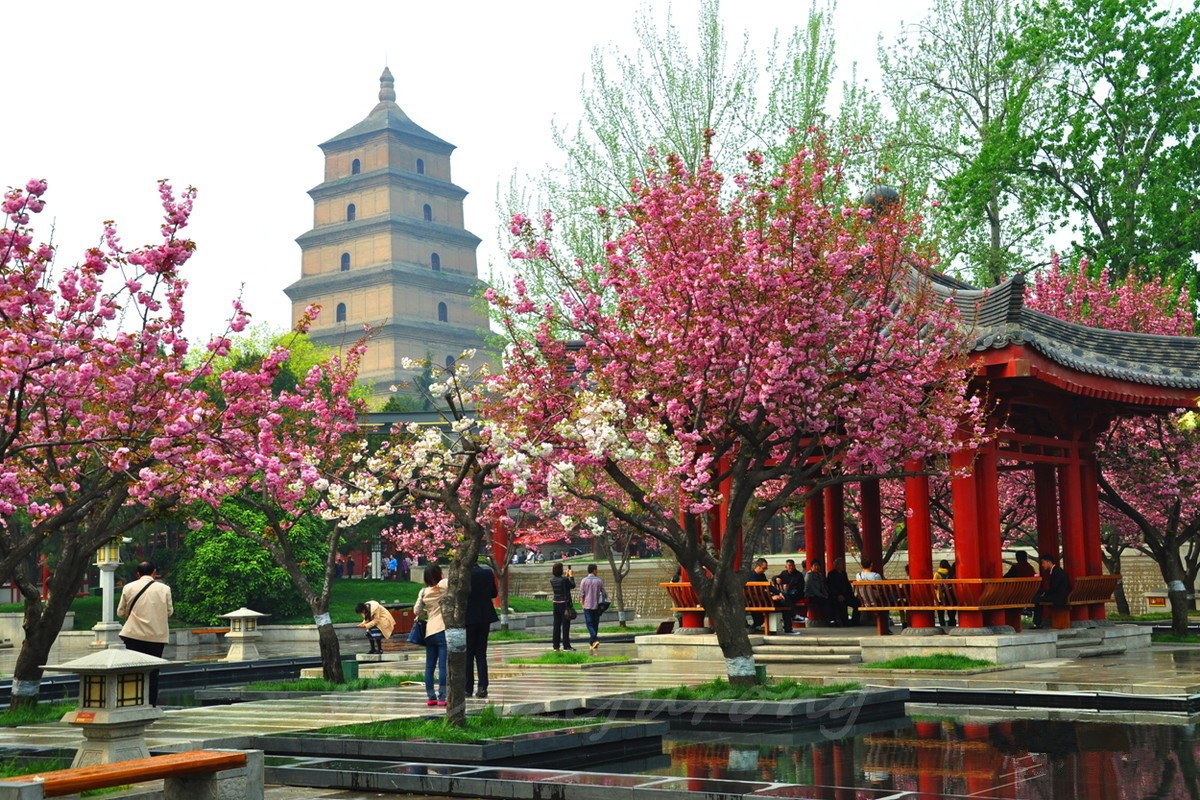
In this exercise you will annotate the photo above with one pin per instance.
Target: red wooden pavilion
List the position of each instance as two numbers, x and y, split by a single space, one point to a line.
1052 387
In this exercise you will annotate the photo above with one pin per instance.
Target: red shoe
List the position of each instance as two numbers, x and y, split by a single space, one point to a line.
440 703
433 703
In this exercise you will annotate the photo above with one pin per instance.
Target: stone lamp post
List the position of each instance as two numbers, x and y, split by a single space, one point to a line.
243 634
108 558
114 710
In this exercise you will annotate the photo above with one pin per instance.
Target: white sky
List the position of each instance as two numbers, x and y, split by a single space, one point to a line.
103 99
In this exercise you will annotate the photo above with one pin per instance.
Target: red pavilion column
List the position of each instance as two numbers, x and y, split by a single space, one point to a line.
1090 491
500 556
871 523
920 535
822 756
1074 557
1045 498
987 487
814 535
835 524
967 547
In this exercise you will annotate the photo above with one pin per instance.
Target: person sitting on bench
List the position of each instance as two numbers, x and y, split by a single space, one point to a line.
1057 590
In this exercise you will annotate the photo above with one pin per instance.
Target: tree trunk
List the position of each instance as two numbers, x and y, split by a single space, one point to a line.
331 650
1112 562
42 624
454 612
1172 570
729 623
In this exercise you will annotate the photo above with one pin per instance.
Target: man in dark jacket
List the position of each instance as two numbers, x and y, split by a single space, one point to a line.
841 594
816 592
1058 587
787 588
481 613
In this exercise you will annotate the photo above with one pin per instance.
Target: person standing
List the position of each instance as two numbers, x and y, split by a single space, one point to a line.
946 594
145 606
429 602
561 586
591 592
481 613
379 624
350 567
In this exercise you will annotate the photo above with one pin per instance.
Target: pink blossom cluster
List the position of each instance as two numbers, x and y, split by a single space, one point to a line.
747 342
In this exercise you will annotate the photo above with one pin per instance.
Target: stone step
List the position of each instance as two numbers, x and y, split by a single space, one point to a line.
799 658
1102 650
840 650
806 640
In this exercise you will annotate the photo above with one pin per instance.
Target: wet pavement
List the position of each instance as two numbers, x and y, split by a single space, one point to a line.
1162 670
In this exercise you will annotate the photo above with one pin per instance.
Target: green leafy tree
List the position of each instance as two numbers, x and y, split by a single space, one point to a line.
959 103
713 99
1114 150
220 571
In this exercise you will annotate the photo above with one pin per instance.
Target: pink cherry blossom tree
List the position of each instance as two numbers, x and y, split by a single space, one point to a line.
99 413
1149 466
447 478
756 341
295 444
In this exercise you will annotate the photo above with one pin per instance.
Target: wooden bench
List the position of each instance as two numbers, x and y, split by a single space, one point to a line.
755 595
196 774
1011 595
1086 590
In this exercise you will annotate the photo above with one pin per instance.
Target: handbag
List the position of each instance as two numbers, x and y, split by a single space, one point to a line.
417 634
602 604
569 613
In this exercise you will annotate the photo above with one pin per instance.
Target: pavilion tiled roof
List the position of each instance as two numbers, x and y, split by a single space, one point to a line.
998 317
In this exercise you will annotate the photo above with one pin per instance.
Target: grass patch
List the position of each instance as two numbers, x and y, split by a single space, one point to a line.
1152 616
567 657
1174 638
512 636
322 685
629 629
30 715
932 661
719 689
486 724
523 605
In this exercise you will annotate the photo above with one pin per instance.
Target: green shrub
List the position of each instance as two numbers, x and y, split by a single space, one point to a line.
220 571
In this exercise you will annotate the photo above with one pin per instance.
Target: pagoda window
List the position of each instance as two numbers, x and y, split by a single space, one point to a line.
345 262
435 261
341 312
427 211
355 167
350 212
443 313
420 166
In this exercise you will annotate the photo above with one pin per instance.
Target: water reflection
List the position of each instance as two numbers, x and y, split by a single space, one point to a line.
1011 760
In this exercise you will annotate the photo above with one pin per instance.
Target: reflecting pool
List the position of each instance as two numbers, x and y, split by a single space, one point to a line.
945 758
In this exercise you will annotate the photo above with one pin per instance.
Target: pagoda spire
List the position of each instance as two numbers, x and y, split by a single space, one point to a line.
387 94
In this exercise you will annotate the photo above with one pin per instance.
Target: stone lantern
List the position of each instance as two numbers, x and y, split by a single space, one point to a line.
243 634
114 709
108 558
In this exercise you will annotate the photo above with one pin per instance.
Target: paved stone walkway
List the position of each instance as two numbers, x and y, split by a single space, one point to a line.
1159 671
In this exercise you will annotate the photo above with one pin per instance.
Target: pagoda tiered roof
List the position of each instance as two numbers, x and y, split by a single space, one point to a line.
998 319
